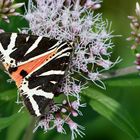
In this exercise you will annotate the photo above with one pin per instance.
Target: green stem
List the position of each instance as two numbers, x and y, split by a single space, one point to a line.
120 72
29 131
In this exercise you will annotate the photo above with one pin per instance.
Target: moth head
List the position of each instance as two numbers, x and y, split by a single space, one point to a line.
9 63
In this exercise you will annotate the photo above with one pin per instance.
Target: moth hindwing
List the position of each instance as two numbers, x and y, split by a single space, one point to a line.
36 64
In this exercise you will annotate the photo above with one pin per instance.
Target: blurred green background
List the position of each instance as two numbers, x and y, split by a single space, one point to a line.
126 89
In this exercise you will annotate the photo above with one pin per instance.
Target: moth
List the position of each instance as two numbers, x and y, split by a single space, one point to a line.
37 64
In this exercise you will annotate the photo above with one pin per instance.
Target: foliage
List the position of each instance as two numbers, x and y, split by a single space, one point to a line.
122 93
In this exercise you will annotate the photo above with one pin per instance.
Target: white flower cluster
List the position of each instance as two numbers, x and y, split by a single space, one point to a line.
73 22
135 34
69 20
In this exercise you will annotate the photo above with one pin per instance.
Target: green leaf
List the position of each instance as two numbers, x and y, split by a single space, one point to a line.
22 122
131 80
7 121
8 95
112 111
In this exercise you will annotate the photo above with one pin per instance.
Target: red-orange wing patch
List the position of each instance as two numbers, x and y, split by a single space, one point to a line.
29 67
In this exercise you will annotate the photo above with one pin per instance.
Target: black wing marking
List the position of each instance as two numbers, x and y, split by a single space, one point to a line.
38 87
44 80
50 74
18 48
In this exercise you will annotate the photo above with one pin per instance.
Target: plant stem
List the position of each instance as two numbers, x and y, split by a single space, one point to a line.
29 131
120 72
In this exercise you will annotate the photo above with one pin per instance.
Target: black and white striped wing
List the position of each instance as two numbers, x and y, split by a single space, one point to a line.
38 85
18 49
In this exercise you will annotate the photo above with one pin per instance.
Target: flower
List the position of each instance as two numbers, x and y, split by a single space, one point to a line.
1 30
137 62
135 26
75 129
57 119
137 9
8 8
135 34
74 21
